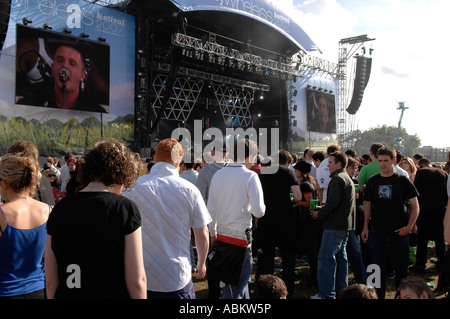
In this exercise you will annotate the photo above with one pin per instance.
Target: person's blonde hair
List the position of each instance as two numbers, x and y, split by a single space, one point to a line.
169 151
20 173
411 164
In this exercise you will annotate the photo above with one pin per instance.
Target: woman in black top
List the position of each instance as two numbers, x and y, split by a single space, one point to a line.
94 244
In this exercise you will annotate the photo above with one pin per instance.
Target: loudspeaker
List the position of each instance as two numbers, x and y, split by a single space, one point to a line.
5 10
363 68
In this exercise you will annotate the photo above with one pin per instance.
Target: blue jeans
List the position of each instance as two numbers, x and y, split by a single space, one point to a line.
380 246
332 268
240 291
355 257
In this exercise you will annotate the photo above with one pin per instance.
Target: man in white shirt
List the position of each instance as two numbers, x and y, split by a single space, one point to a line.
323 175
235 195
170 206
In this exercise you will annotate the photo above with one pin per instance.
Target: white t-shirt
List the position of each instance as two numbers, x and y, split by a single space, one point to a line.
323 178
234 196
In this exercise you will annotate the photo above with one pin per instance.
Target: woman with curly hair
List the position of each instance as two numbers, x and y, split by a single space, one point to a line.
94 244
22 229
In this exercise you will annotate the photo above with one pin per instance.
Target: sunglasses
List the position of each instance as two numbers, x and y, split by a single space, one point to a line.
51 175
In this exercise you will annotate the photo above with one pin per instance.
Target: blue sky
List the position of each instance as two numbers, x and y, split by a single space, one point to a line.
409 57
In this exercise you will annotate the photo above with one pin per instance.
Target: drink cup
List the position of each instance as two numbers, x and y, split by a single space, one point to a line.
313 204
357 188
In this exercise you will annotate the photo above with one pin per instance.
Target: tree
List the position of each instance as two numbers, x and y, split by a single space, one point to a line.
361 140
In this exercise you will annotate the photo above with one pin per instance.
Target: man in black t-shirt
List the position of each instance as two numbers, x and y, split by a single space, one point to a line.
386 223
277 227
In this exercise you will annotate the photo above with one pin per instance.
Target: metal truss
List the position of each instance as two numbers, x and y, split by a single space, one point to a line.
215 78
298 66
182 100
345 53
234 104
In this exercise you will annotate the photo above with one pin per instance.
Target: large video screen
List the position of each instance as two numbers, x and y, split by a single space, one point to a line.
321 112
56 70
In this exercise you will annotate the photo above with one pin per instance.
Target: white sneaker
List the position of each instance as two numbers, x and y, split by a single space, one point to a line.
316 296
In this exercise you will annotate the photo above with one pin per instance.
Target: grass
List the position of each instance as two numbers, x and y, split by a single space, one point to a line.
53 137
304 290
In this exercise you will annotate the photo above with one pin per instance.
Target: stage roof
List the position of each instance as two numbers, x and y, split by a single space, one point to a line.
259 23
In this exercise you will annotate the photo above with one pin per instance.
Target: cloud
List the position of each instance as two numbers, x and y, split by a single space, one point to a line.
393 72
325 21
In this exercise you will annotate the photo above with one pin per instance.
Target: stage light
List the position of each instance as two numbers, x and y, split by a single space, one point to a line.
84 35
47 27
295 93
26 21
320 89
308 86
67 31
101 39
314 88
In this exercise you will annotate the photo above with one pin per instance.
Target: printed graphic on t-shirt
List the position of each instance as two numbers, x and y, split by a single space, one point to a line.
385 192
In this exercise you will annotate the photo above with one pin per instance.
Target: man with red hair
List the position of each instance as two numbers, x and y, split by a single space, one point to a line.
170 206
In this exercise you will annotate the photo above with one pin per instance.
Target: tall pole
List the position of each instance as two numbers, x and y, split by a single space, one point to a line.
399 139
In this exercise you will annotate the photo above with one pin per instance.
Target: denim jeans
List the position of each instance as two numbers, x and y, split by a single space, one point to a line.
380 246
332 269
355 258
240 291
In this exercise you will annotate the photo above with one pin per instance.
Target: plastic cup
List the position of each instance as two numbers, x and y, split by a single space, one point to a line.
313 204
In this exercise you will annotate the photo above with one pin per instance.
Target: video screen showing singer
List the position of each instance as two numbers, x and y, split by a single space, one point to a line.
68 80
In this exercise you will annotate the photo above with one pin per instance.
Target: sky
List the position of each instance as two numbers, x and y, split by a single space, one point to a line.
409 62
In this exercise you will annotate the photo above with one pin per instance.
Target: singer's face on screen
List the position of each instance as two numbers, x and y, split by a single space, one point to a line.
71 59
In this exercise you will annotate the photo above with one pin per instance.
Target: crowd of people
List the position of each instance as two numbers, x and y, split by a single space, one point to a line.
106 225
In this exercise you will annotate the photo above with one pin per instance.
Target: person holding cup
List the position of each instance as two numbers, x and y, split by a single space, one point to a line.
338 218
309 229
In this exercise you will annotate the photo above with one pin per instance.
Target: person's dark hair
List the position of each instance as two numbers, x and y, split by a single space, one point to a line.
319 155
284 157
424 162
351 152
332 148
68 155
270 287
418 156
109 162
351 161
340 158
386 150
375 147
399 156
189 165
249 147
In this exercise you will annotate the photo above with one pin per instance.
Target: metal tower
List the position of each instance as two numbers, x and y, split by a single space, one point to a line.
347 49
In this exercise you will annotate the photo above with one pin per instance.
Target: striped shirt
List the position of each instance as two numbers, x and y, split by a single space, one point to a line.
170 206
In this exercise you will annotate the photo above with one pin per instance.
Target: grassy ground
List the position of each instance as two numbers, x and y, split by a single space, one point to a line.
304 290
